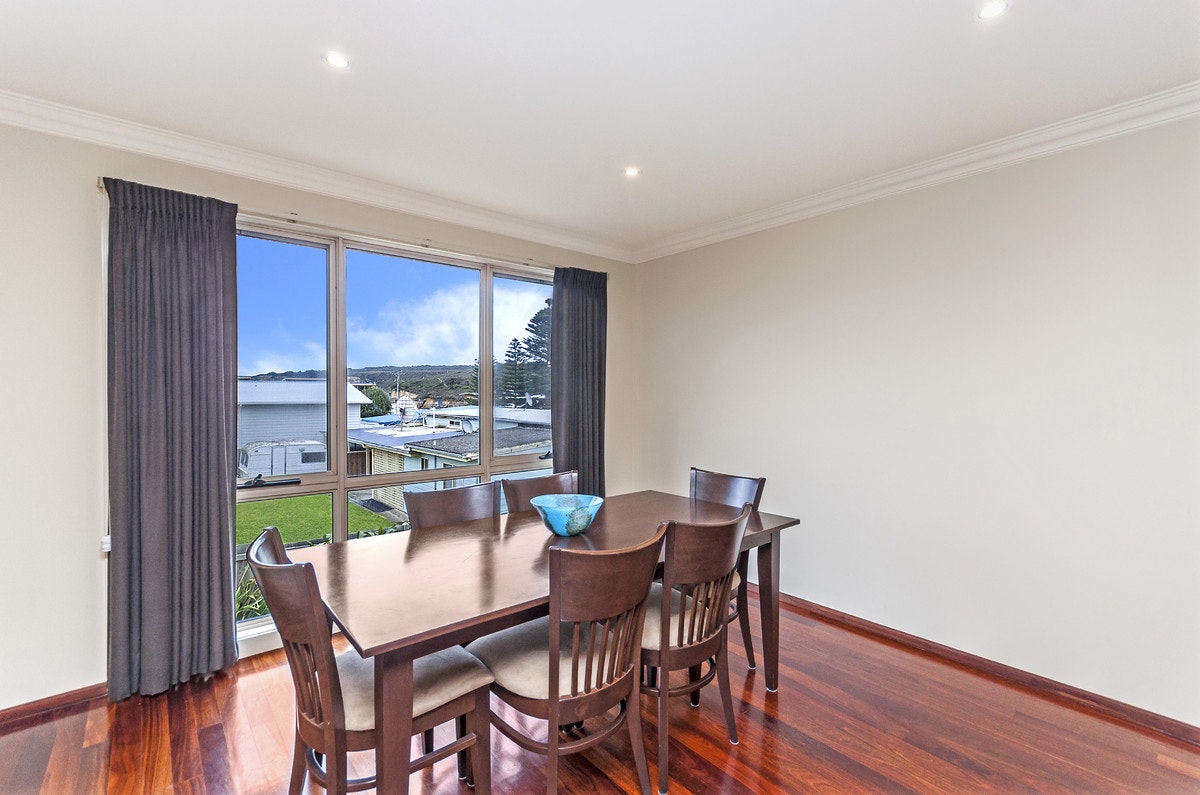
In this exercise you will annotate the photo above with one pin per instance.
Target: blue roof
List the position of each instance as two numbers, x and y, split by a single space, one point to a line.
383 419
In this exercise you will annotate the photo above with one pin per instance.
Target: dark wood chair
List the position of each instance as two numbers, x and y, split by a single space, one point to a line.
427 509
518 491
335 694
446 506
580 663
688 629
735 491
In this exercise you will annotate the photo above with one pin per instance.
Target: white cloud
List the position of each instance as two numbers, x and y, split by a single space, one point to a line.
513 304
440 328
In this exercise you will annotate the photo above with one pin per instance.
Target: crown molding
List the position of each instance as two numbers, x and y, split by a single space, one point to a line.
19 110
48 117
1149 111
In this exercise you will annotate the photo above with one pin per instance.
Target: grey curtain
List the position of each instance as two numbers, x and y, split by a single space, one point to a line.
172 423
578 343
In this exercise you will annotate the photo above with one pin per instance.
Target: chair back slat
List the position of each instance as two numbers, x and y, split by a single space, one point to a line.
703 610
447 506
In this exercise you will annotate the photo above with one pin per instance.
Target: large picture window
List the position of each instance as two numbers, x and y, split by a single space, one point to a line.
361 379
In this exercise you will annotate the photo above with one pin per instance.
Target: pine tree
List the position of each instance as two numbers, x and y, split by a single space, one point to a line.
537 350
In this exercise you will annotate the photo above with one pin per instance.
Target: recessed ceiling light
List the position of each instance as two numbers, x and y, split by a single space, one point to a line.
632 171
993 9
337 60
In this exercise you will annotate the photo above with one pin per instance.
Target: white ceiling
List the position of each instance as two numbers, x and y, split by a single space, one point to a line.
520 116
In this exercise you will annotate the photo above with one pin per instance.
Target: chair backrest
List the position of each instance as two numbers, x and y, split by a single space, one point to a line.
597 609
698 567
732 490
518 491
446 506
294 599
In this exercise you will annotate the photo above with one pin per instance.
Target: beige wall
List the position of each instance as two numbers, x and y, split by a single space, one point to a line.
983 399
52 396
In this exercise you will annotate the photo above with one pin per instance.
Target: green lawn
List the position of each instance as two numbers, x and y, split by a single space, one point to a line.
300 518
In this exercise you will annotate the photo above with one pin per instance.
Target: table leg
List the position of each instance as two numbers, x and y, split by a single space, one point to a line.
393 722
768 603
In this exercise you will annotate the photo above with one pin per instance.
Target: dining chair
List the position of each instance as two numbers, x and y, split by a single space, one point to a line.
580 663
335 694
447 506
427 509
518 491
735 491
687 617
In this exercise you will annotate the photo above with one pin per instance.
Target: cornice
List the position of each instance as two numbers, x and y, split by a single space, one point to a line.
1149 111
48 117
31 113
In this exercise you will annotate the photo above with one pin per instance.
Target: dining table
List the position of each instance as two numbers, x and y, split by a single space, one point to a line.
399 596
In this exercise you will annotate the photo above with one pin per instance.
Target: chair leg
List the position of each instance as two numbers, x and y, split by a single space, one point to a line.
722 663
552 759
633 716
480 754
694 676
743 608
664 691
336 772
464 757
299 768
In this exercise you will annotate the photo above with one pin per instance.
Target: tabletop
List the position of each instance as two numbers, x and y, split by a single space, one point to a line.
423 590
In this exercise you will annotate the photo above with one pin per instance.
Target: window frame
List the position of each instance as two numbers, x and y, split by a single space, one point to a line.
334 480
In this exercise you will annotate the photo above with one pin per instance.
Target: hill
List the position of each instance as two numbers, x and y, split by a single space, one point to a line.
452 384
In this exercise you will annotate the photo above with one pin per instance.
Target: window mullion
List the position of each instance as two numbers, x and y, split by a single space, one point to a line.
486 423
337 386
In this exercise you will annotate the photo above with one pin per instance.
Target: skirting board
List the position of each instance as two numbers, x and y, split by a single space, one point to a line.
35 711
1110 709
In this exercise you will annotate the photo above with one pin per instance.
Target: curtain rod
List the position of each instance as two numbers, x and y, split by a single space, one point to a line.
426 244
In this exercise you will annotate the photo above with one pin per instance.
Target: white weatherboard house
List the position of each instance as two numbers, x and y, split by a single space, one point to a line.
283 425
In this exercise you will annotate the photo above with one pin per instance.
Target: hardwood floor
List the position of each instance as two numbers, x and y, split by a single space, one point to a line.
852 715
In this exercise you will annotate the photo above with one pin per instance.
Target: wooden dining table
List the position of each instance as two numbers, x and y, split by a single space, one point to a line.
399 596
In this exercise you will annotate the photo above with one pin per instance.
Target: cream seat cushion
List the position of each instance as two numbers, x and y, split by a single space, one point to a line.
519 658
438 679
651 630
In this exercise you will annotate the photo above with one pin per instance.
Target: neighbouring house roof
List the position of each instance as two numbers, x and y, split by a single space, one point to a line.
291 392
521 416
396 438
507 440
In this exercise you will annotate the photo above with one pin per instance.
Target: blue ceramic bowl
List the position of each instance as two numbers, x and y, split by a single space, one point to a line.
567 514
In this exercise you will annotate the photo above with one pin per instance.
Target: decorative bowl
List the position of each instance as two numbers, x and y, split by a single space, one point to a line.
567 514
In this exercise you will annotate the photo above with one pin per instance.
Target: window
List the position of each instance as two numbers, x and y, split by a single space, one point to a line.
283 401
521 366
306 519
401 330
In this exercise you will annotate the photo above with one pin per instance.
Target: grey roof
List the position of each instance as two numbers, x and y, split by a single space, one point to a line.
381 438
506 439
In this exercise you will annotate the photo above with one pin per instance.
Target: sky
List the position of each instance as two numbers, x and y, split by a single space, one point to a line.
399 311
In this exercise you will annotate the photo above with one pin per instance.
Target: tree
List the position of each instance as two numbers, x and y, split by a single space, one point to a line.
380 403
512 384
537 350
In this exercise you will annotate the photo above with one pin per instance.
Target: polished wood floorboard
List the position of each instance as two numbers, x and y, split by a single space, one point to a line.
852 715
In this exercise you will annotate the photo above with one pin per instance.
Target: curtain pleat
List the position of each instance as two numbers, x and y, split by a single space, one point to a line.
172 423
578 346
